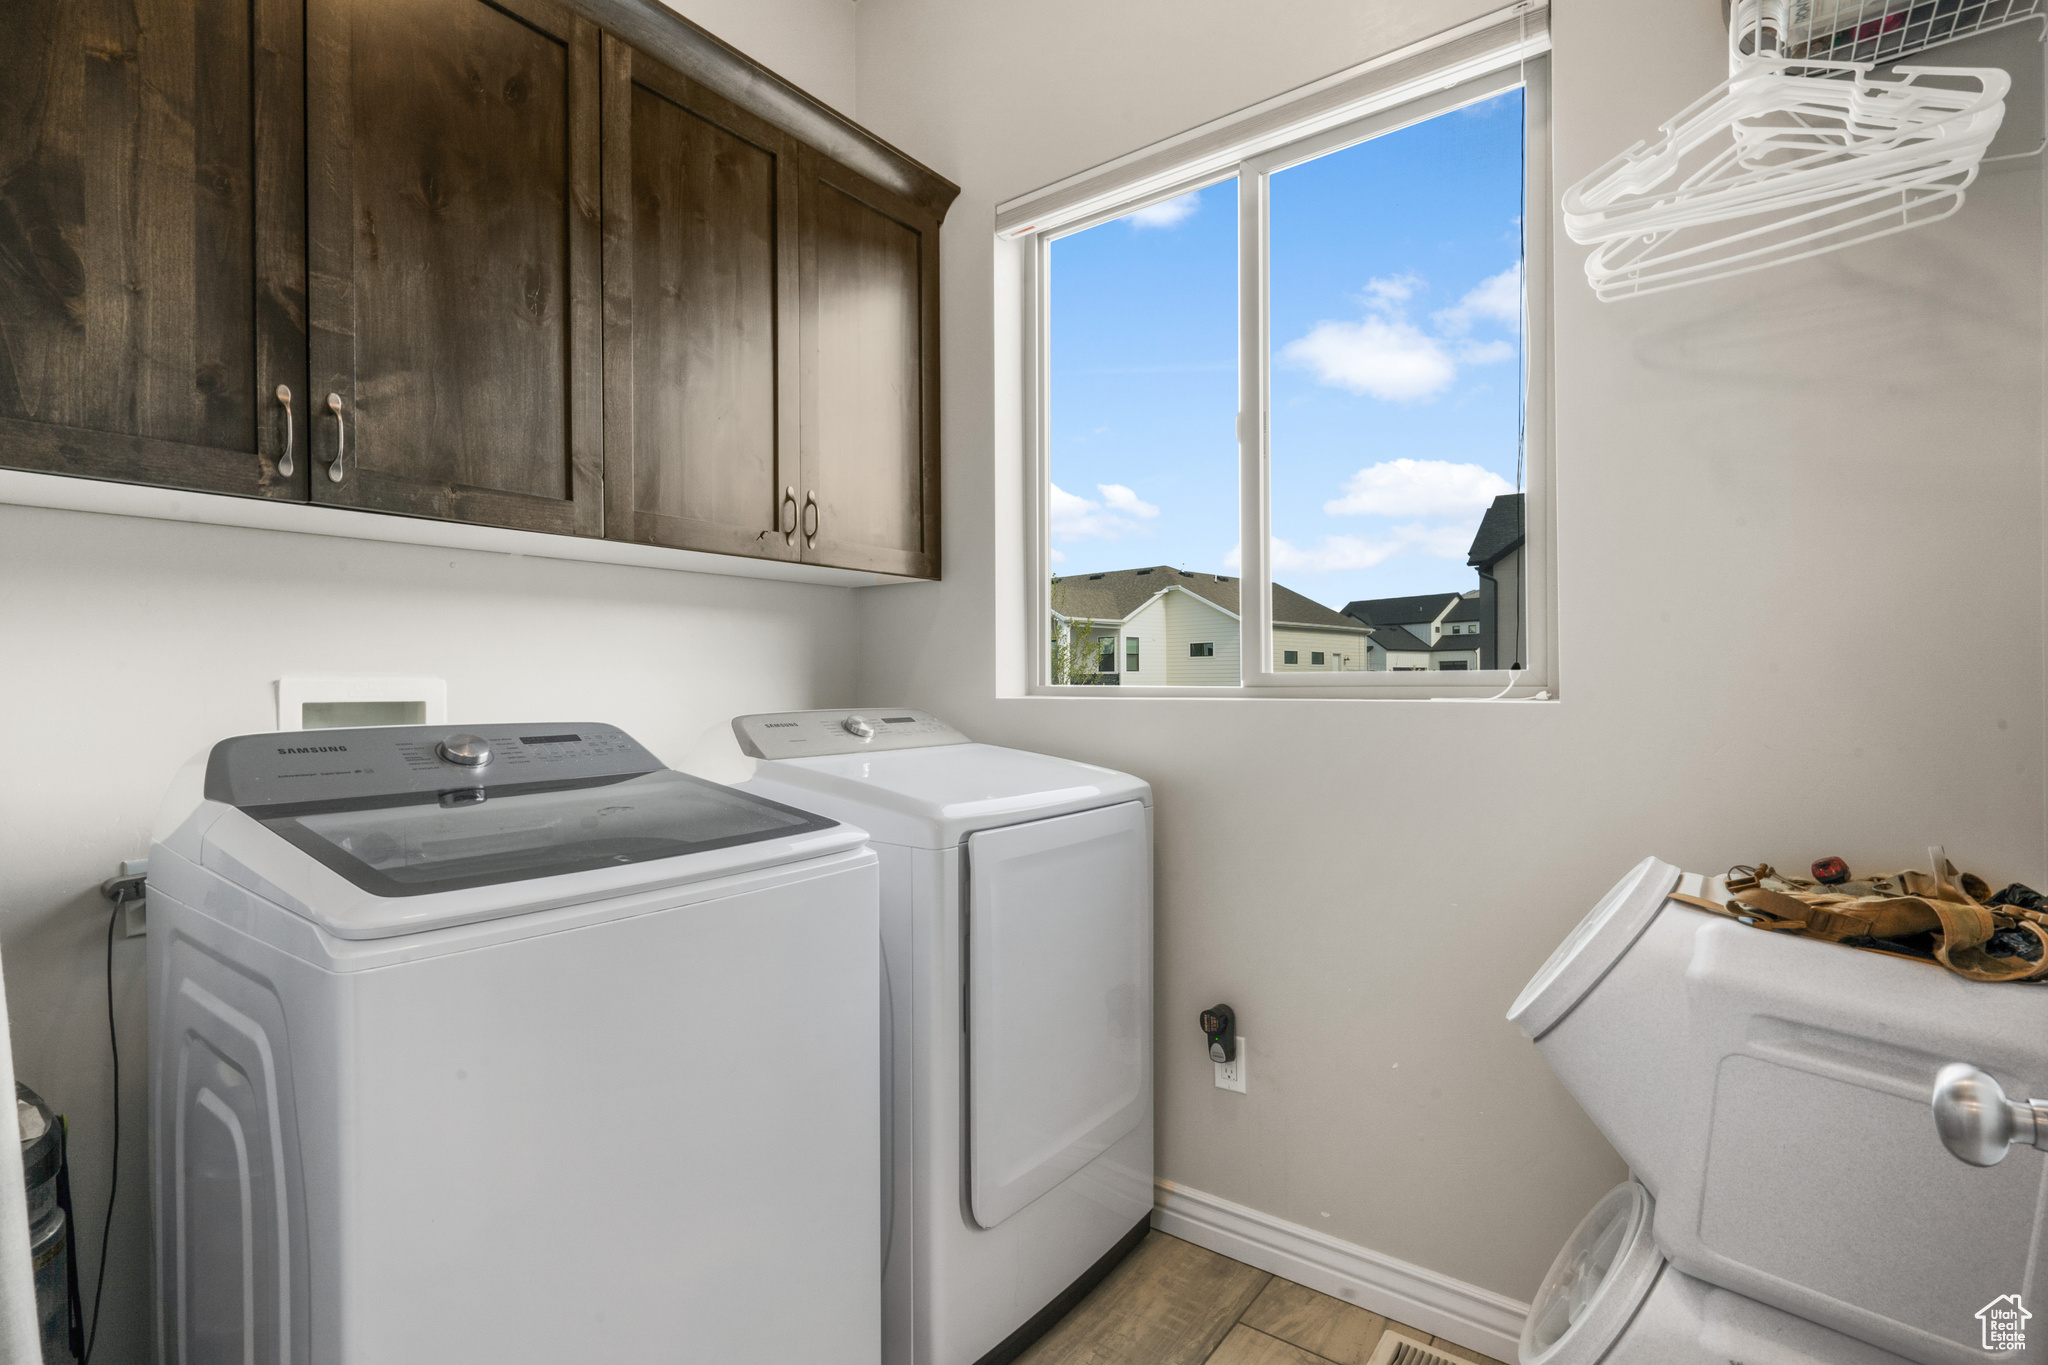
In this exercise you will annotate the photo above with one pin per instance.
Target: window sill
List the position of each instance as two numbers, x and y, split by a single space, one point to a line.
1484 687
22 488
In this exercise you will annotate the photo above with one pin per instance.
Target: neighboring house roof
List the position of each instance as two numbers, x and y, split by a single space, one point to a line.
1395 640
1467 608
1500 532
1396 611
1114 594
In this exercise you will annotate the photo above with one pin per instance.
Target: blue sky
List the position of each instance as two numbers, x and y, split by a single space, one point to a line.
1396 381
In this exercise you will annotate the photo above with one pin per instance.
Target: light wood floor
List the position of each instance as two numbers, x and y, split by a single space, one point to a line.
1173 1303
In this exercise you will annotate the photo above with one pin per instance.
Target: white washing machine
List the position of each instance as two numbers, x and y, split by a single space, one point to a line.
1796 1110
1017 937
508 1046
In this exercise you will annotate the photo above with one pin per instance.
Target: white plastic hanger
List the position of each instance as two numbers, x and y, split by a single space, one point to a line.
1783 161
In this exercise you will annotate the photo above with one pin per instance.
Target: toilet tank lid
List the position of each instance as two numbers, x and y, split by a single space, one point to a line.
1609 930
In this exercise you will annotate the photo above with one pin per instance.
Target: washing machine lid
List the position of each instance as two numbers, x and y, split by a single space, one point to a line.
1604 1271
374 832
1609 930
934 797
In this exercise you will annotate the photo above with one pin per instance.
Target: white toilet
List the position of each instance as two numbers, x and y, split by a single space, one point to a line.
1772 1096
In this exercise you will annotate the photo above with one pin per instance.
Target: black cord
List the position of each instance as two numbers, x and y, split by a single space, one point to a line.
114 1163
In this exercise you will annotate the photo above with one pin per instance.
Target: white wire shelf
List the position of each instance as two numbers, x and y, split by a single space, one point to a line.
1878 31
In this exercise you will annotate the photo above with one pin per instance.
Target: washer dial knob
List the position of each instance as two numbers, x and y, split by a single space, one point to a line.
859 727
469 751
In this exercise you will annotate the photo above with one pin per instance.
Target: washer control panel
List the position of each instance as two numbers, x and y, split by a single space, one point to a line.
808 734
407 760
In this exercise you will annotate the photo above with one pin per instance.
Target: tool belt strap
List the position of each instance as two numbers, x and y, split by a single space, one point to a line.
1946 908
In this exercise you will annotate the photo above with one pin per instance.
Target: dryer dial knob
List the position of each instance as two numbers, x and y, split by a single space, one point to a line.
470 751
858 727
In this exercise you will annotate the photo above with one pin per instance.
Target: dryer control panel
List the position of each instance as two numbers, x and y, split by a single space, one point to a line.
809 734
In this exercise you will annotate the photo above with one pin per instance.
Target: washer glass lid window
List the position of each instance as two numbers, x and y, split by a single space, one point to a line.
421 846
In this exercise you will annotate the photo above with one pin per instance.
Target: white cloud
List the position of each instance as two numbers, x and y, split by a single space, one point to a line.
1121 499
1349 554
1386 356
1342 554
1120 513
1168 212
1418 488
1389 291
1497 298
1389 359
1336 554
1485 352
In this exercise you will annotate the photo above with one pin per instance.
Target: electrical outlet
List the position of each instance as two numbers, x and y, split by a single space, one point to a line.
135 909
1230 1075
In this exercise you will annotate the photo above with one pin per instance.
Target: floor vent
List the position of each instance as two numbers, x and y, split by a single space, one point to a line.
1397 1348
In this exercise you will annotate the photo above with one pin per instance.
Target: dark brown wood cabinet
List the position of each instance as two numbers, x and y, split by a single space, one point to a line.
700 316
869 348
453 227
570 266
152 240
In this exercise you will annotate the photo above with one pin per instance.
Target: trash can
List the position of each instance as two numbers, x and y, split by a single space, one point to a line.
50 1251
42 1152
49 1228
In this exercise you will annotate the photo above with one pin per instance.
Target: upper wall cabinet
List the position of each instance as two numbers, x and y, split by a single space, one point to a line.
700 316
454 234
152 241
570 266
870 325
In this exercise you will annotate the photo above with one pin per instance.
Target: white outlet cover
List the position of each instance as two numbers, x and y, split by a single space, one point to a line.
1230 1075
402 697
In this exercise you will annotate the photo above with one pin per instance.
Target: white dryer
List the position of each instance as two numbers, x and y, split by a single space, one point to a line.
1017 939
507 1046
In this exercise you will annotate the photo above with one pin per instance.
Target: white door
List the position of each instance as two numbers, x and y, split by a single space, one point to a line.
1059 1011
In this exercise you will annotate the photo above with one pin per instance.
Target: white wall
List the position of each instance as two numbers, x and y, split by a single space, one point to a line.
1756 483
809 43
127 645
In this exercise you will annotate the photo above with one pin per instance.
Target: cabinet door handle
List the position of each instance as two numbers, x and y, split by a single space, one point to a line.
334 470
813 518
788 504
284 461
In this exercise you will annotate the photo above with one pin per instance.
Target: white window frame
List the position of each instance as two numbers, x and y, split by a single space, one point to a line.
1517 60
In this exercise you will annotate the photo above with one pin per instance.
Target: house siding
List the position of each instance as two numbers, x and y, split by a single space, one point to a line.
1501 592
1188 619
1155 664
1305 640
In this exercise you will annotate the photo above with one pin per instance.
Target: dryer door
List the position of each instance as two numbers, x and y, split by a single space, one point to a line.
1059 999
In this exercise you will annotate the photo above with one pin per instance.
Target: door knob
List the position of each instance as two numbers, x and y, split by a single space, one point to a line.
1977 1123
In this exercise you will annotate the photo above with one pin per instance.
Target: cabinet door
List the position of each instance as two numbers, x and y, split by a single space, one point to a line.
152 230
454 267
870 375
699 317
